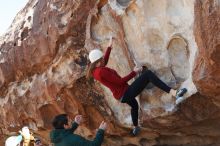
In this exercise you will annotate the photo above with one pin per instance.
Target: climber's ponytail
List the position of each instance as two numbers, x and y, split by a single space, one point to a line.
90 69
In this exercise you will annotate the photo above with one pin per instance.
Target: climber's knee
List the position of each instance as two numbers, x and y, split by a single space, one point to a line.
148 73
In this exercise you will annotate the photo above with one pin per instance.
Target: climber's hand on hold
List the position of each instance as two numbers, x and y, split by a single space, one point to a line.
78 119
137 69
103 125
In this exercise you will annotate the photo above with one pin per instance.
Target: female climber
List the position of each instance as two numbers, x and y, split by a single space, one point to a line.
118 85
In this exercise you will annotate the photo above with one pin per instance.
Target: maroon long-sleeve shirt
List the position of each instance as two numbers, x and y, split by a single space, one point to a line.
110 78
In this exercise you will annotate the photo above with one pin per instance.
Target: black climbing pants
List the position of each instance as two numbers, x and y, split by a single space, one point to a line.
137 87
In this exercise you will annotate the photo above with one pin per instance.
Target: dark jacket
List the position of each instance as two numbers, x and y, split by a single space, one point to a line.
65 137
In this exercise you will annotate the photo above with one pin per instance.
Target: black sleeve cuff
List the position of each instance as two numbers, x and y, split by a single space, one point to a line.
74 124
101 131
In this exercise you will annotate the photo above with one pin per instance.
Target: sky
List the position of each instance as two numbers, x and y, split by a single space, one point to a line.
8 10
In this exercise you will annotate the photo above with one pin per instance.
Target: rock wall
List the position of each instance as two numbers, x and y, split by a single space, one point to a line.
43 59
206 72
159 36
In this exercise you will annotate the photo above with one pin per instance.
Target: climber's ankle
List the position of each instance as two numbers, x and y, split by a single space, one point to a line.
173 92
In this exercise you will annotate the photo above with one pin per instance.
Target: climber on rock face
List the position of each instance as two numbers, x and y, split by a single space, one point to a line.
121 90
62 135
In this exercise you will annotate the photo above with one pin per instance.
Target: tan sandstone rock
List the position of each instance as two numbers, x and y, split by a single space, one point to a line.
43 59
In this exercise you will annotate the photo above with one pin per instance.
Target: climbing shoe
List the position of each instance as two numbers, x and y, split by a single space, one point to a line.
179 99
136 131
179 95
181 92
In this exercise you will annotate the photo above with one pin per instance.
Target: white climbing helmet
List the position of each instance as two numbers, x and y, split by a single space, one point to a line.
95 55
